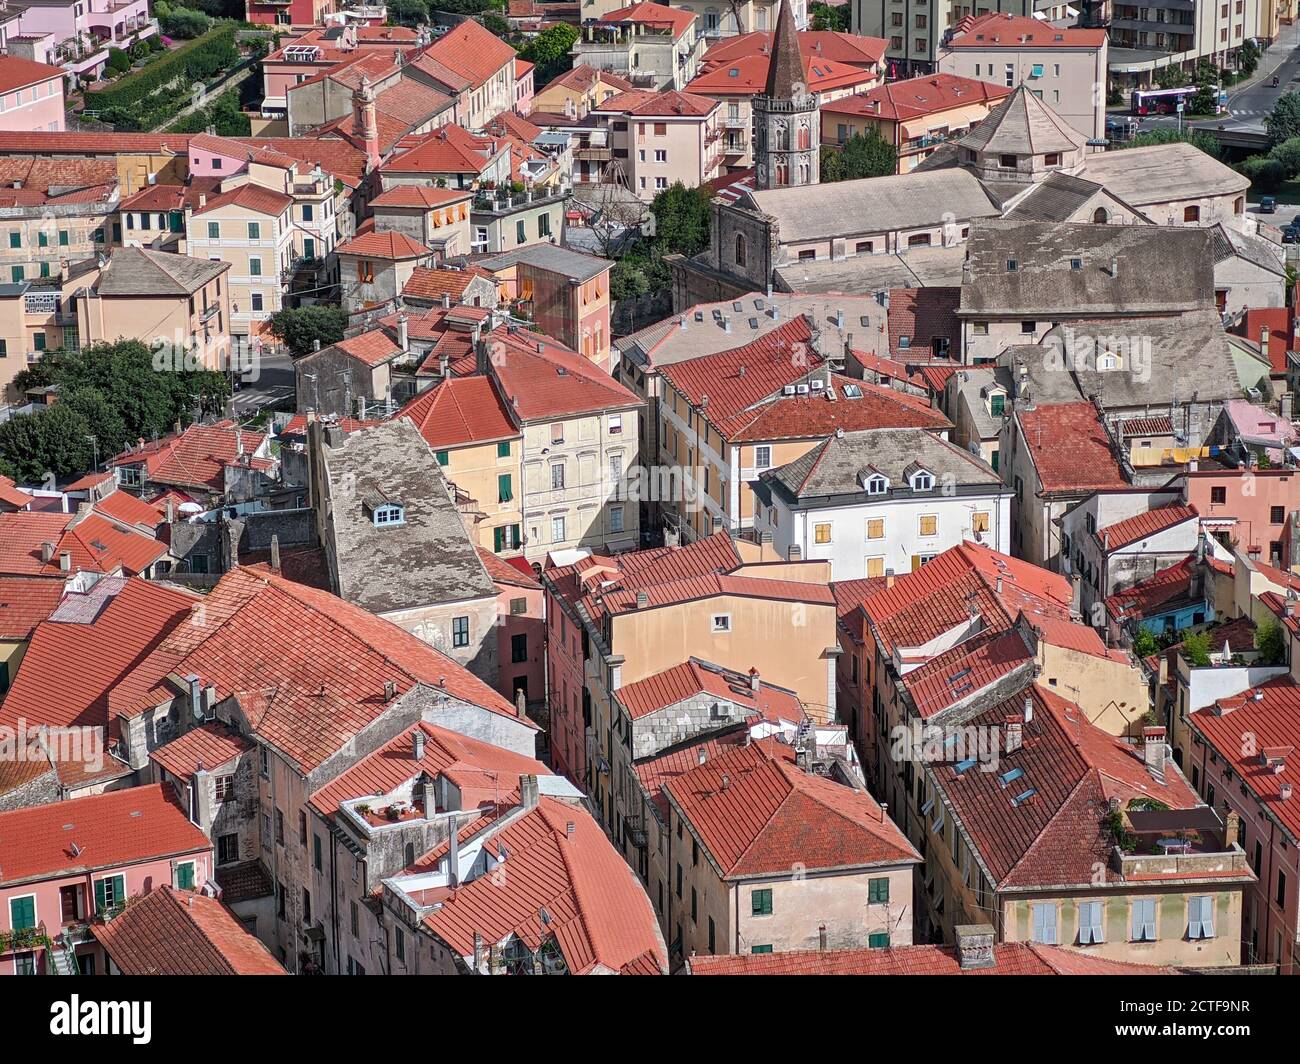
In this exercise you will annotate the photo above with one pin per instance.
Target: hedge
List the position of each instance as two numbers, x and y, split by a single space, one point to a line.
196 61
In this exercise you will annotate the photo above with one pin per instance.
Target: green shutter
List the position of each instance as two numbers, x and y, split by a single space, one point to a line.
101 900
761 949
879 941
22 913
498 539
504 494
761 903
315 851
878 890
503 449
443 458
185 876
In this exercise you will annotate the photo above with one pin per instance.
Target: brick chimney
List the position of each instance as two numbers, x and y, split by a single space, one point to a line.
528 792
1015 732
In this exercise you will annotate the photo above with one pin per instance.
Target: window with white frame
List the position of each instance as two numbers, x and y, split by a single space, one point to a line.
720 622
763 457
616 519
922 481
1200 916
386 516
1090 923
1044 923
557 530
1144 920
615 424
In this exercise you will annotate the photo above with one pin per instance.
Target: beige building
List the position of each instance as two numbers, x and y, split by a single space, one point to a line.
1063 67
739 823
54 212
662 138
438 218
651 45
714 19
251 228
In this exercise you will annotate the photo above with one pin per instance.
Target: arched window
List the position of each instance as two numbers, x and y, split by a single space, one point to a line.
805 137
782 137
805 173
1101 216
740 249
1191 214
782 173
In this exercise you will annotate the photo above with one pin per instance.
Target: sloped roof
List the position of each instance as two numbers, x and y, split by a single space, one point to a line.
699 678
757 814
197 458
111 830
205 748
459 411
1144 525
388 244
181 932
1022 124
546 380
137 272
26 601
1070 448
901 101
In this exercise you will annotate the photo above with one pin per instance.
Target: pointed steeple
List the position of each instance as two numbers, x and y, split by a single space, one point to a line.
785 74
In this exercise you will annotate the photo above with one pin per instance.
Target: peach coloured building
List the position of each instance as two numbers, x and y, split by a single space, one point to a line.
62 865
1250 506
662 138
31 96
521 631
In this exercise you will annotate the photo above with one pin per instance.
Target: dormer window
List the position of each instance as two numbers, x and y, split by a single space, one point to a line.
1107 361
922 481
388 515
876 484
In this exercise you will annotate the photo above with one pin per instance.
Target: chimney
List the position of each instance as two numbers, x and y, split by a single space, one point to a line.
975 946
275 553
417 743
47 552
453 858
1287 405
1263 340
403 335
390 690
480 953
1015 732
171 509
821 938
1153 751
889 579
701 756
65 561
1114 266
754 680
569 828
1231 830
1029 708
795 553
528 792
444 366
1285 792
642 600
446 300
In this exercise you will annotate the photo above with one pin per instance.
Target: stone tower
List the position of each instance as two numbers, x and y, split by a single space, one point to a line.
365 123
787 134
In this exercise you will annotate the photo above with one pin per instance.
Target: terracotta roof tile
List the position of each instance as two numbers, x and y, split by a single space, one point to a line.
1070 448
384 245
697 678
207 747
459 411
26 601
1142 526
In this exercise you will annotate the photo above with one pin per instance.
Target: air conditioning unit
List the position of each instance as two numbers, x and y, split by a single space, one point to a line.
817 386
802 389
788 390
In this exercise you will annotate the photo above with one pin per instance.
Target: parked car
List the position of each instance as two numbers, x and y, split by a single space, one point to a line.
1289 234
1268 205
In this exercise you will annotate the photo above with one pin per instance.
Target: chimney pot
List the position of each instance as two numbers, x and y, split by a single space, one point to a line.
417 743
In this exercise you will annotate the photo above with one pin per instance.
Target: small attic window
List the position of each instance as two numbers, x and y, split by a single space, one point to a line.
733 73
388 515
1107 361
877 485
1012 265
922 480
1076 264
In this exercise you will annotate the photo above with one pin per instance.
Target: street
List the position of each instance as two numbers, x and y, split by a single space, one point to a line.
274 382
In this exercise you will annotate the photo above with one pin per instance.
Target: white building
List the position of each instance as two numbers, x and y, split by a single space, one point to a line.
880 501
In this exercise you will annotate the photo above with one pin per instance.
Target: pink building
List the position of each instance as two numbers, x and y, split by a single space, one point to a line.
66 864
1239 755
293 13
521 628
31 96
1248 506
78 33
524 71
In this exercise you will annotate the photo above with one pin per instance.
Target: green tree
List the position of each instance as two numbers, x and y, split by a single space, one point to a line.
627 280
118 62
56 440
1205 99
299 328
408 12
105 421
549 50
1171 77
1195 137
1266 174
681 220
868 155
1196 649
1271 643
1288 154
1248 56
184 23
825 17
1283 122
1144 643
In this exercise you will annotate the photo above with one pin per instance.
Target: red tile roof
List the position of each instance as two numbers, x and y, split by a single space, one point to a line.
471 51
129 509
384 245
666 104
18 73
1172 584
1277 321
337 157
26 601
649 14
509 571
757 814
180 932
1070 448
1005 30
374 348
817 417
94 543
461 411
1142 526
923 315
111 830
1010 958
308 668
198 457
484 775
813 45
428 283
420 196
207 747
251 197
599 915
971 666
1235 725
449 149
747 75
902 101
71 665
12 495
1052 837
695 678
545 380
941 594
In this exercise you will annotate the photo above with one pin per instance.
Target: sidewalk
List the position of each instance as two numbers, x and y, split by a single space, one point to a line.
1273 57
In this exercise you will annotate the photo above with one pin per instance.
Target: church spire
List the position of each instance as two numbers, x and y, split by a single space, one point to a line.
785 74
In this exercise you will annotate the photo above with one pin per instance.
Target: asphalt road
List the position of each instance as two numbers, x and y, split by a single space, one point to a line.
269 381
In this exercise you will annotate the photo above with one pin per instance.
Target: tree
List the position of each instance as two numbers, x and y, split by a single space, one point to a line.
1196 649
549 50
682 218
627 280
1171 77
1271 643
408 12
184 23
1144 643
56 440
825 17
1205 100
299 328
1195 137
1266 174
1283 122
118 62
1288 154
1248 56
868 155
105 421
